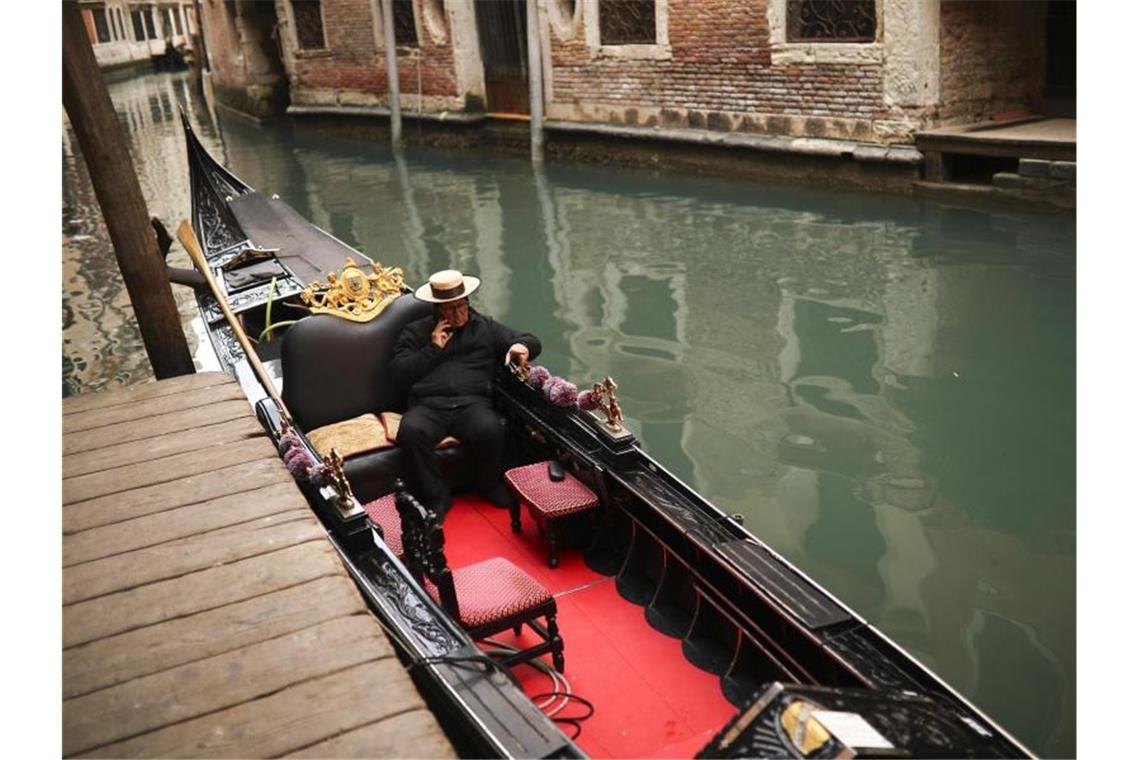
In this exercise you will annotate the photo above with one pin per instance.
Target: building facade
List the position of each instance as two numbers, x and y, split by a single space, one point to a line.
126 32
860 77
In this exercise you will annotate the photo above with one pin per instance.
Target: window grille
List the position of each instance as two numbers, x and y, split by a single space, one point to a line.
831 20
404 23
102 31
310 26
628 22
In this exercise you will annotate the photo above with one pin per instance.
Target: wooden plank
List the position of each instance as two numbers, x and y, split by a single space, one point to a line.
171 560
144 391
160 647
300 715
149 449
153 427
193 489
415 734
173 402
182 522
206 459
197 592
216 683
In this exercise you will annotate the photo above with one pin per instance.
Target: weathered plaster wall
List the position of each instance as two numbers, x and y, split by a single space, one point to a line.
246 72
993 59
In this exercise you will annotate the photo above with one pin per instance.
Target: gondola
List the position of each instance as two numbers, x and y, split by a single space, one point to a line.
679 632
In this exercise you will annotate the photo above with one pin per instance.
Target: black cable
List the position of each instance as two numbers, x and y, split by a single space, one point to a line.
488 664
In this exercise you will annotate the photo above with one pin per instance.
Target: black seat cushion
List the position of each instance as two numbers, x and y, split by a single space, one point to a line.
333 369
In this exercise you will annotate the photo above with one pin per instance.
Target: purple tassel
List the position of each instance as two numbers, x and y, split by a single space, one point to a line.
538 376
288 441
560 392
298 466
319 475
588 401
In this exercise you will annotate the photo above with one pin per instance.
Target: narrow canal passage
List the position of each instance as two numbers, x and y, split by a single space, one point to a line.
884 388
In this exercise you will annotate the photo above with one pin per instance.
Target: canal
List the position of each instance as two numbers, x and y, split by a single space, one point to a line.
884 388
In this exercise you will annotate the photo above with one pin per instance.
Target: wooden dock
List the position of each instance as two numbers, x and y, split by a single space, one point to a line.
204 611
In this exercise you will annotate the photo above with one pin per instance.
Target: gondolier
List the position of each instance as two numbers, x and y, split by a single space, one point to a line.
446 362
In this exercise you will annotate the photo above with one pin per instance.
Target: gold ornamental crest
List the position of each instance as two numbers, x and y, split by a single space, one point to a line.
354 294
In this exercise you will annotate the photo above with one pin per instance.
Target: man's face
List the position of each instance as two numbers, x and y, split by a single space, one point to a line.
455 312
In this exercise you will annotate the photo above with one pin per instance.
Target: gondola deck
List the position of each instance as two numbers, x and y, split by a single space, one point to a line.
649 701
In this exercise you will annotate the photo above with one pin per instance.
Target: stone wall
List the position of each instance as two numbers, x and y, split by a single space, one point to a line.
993 59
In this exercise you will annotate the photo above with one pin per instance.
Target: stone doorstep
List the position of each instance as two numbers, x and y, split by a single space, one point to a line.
1035 167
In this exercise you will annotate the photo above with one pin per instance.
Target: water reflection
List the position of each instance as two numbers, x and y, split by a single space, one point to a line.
884 388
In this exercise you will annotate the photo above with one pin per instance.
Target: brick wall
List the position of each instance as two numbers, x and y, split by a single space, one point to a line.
353 70
993 58
720 75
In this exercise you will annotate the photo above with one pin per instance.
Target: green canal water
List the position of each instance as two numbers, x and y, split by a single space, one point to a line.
884 388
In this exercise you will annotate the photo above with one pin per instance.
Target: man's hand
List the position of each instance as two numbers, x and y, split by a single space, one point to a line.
519 351
441 334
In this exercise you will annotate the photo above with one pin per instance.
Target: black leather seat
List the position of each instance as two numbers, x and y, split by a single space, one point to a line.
333 369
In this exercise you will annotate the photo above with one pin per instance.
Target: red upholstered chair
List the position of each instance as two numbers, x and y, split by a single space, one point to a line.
549 502
485 598
383 513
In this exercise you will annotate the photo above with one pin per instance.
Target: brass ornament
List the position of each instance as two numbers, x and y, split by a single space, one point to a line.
354 294
339 481
606 391
805 732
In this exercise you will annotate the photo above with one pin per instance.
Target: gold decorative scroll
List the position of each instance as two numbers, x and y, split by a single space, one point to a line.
354 294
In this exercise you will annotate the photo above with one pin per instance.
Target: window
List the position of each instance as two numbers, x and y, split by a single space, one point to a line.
177 20
310 26
830 21
137 23
404 21
148 19
119 23
627 22
102 29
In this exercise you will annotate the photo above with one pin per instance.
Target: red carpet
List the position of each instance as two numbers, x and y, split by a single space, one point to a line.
649 701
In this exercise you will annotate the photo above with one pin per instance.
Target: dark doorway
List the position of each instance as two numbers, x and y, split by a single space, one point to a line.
1061 58
502 43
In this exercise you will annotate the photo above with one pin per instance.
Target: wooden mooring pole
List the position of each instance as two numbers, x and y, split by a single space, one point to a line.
393 73
534 72
116 186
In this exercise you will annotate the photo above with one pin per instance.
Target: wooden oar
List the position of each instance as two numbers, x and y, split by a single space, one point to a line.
190 242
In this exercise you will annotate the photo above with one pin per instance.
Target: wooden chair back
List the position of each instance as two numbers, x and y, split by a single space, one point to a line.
423 539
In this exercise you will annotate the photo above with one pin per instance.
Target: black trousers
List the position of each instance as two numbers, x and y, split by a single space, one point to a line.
477 426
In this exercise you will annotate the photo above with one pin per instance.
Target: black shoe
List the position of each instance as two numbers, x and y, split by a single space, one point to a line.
499 496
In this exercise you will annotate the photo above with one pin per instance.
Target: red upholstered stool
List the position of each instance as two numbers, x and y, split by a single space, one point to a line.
548 501
383 513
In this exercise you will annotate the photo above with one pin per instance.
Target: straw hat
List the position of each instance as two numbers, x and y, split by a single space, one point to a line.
448 285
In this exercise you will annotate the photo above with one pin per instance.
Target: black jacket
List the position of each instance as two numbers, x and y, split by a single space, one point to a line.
464 367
